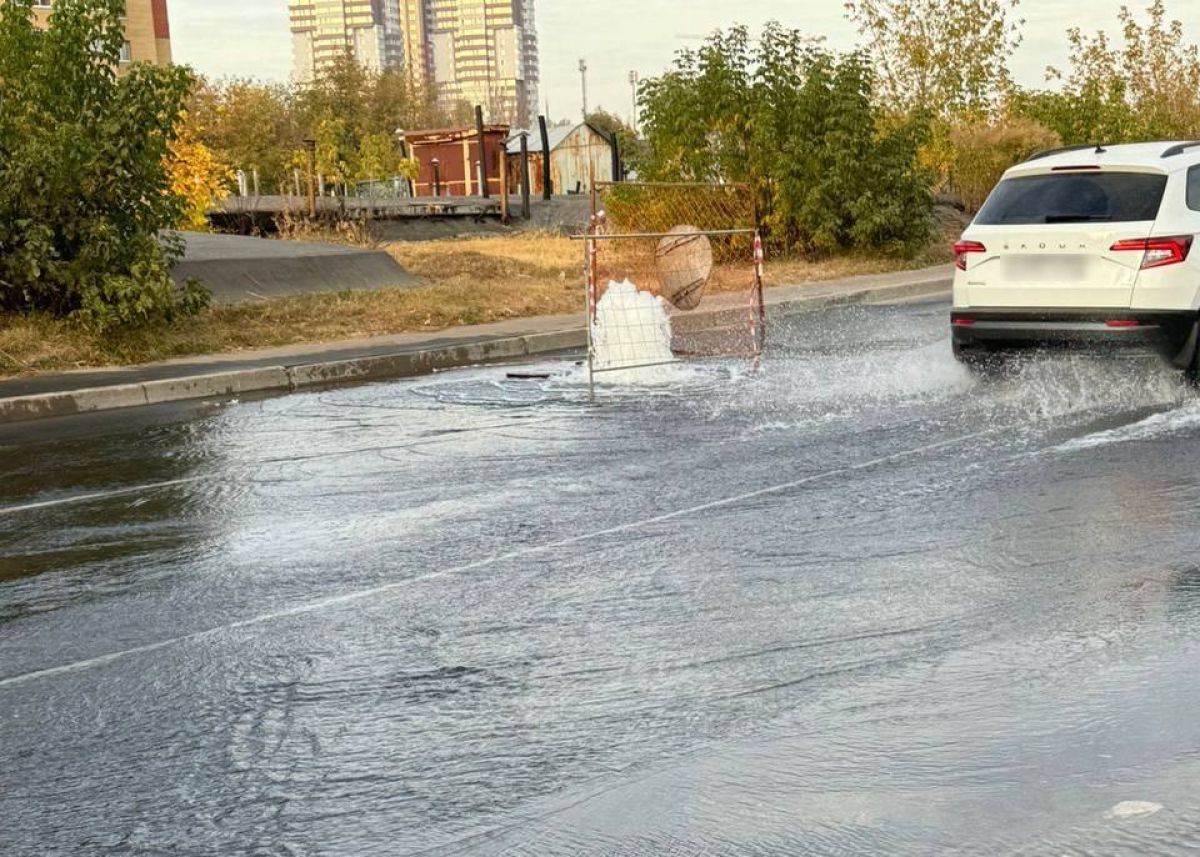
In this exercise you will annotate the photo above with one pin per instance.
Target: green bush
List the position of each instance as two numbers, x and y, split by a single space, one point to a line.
983 151
84 190
800 125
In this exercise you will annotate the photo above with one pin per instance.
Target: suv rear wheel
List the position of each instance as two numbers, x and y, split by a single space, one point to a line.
975 356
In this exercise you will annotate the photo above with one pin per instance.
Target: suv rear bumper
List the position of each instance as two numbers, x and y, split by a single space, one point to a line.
1173 333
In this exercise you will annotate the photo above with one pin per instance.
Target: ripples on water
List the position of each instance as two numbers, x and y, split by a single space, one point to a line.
981 650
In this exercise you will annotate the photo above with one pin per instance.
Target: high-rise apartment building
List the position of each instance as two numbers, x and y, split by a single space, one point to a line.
147 30
325 30
475 51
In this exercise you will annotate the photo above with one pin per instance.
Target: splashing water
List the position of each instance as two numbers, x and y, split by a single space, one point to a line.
1184 418
631 330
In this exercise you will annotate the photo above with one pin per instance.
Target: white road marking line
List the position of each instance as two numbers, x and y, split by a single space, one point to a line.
100 495
363 594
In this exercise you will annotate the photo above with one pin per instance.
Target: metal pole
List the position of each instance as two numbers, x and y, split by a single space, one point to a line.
590 250
547 188
311 146
408 183
633 115
616 157
504 185
758 318
483 185
583 69
437 177
525 209
590 253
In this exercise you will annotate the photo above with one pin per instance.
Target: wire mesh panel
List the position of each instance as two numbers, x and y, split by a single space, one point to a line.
674 271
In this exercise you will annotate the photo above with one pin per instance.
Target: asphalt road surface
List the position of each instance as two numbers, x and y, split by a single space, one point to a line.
857 602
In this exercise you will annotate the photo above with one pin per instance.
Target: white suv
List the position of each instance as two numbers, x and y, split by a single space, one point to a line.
1085 245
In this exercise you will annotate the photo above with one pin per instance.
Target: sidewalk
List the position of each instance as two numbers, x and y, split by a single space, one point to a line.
402 355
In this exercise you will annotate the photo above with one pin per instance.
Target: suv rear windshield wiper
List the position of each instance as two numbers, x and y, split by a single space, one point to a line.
1078 218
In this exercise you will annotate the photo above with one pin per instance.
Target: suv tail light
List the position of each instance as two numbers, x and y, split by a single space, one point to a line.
962 249
1157 252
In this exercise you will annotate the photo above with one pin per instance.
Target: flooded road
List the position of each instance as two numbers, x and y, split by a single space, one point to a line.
858 602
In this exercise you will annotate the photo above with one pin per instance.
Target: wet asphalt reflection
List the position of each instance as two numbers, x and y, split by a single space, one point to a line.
855 602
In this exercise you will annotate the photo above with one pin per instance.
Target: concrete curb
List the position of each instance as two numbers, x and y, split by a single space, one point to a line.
406 364
813 303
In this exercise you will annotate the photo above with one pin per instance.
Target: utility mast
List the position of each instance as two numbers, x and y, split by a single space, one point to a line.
583 69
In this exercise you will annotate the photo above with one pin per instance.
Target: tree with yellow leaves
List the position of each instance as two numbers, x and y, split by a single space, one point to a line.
197 176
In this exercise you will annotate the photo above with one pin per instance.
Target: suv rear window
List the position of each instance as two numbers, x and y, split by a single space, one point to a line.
1074 198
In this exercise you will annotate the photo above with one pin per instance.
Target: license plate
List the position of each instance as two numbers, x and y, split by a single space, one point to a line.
1044 269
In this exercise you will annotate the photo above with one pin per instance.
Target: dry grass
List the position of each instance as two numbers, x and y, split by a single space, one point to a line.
783 272
470 281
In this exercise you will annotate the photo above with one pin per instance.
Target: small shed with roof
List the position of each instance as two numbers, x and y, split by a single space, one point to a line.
449 160
578 154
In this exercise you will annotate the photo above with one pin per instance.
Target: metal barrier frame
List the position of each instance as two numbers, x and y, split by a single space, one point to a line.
592 238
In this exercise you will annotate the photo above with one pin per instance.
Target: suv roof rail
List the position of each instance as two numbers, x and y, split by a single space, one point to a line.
1037 156
1180 149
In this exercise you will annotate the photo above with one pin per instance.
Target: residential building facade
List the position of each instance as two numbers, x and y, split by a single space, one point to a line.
475 51
147 30
323 31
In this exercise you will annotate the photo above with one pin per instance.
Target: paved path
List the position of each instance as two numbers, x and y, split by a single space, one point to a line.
235 268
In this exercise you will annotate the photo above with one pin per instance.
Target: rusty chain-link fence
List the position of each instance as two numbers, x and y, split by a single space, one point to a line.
673 271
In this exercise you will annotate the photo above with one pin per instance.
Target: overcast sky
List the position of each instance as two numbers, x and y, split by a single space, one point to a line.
250 38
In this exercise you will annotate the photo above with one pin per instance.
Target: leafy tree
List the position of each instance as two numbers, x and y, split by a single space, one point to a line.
984 150
84 188
1098 113
250 126
609 123
353 113
377 158
628 144
942 57
800 124
196 176
696 117
336 150
393 101
1147 85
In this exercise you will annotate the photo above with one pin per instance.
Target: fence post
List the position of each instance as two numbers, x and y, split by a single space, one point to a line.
504 185
525 175
311 146
547 189
760 256
483 184
590 251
